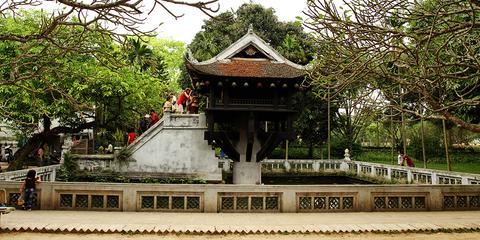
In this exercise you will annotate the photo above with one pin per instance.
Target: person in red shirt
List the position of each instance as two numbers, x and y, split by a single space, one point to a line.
182 99
406 160
153 117
131 137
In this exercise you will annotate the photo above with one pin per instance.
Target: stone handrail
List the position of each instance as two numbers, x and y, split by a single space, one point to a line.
46 174
374 170
169 120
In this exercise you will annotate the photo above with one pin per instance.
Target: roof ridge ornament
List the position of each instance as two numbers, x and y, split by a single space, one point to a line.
190 56
250 28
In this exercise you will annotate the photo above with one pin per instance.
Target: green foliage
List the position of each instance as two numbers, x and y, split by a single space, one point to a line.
311 124
124 156
340 144
172 52
115 177
119 136
298 152
98 77
67 171
220 32
461 161
433 139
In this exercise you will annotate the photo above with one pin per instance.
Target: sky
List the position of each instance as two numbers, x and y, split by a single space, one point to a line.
185 28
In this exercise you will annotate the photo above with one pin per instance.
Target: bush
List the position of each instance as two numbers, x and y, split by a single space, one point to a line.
67 171
339 145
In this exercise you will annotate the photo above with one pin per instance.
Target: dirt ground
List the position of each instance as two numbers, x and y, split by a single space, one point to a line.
369 236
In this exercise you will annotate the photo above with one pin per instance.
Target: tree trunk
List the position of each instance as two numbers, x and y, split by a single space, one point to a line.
47 123
39 138
310 151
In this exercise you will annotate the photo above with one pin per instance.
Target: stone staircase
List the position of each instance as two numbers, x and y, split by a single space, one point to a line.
175 147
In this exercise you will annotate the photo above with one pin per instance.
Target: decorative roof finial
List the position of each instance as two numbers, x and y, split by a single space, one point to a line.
250 28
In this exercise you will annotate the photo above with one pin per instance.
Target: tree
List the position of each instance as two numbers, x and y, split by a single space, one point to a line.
220 32
73 86
172 52
428 49
39 36
358 107
312 121
64 64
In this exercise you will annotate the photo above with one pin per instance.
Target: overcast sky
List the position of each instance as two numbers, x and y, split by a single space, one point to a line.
185 28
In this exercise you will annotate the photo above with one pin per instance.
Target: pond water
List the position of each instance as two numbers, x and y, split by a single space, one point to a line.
310 180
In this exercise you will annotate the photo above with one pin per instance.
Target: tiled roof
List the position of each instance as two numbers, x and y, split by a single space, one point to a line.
243 67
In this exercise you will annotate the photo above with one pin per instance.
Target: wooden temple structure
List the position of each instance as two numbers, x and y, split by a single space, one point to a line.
250 107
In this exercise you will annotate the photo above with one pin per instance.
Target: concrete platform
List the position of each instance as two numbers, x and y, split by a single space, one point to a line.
242 223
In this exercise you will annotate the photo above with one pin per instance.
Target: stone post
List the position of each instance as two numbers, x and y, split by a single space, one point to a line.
373 173
409 176
316 166
347 155
53 175
67 145
129 203
289 202
287 166
210 200
167 118
247 173
436 199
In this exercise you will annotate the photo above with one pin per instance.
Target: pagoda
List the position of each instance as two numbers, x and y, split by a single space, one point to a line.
250 107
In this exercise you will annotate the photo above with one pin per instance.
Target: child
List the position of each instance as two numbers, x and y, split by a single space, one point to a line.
28 188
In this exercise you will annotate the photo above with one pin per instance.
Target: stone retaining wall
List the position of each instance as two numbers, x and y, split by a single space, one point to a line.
249 198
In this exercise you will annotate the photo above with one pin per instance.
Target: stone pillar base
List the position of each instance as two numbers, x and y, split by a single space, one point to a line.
247 173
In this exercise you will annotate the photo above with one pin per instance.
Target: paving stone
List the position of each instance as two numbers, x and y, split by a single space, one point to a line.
101 222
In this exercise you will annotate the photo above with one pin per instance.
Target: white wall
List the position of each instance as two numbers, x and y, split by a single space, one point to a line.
175 145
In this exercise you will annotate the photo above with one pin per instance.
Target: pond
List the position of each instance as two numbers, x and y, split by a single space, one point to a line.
311 180
305 180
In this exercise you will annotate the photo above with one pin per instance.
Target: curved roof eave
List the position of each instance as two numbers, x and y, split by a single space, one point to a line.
250 38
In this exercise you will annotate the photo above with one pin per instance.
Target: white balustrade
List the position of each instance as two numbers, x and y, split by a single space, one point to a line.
46 174
376 170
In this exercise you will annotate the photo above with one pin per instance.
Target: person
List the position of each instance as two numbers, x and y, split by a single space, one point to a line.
193 104
405 159
75 140
40 153
153 117
109 149
222 154
28 188
9 154
182 99
168 105
46 154
144 124
399 158
131 136
408 160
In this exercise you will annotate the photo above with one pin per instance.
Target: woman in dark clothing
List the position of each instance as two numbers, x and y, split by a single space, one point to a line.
28 188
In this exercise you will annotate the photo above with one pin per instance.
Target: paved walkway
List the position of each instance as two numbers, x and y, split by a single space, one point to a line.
151 222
